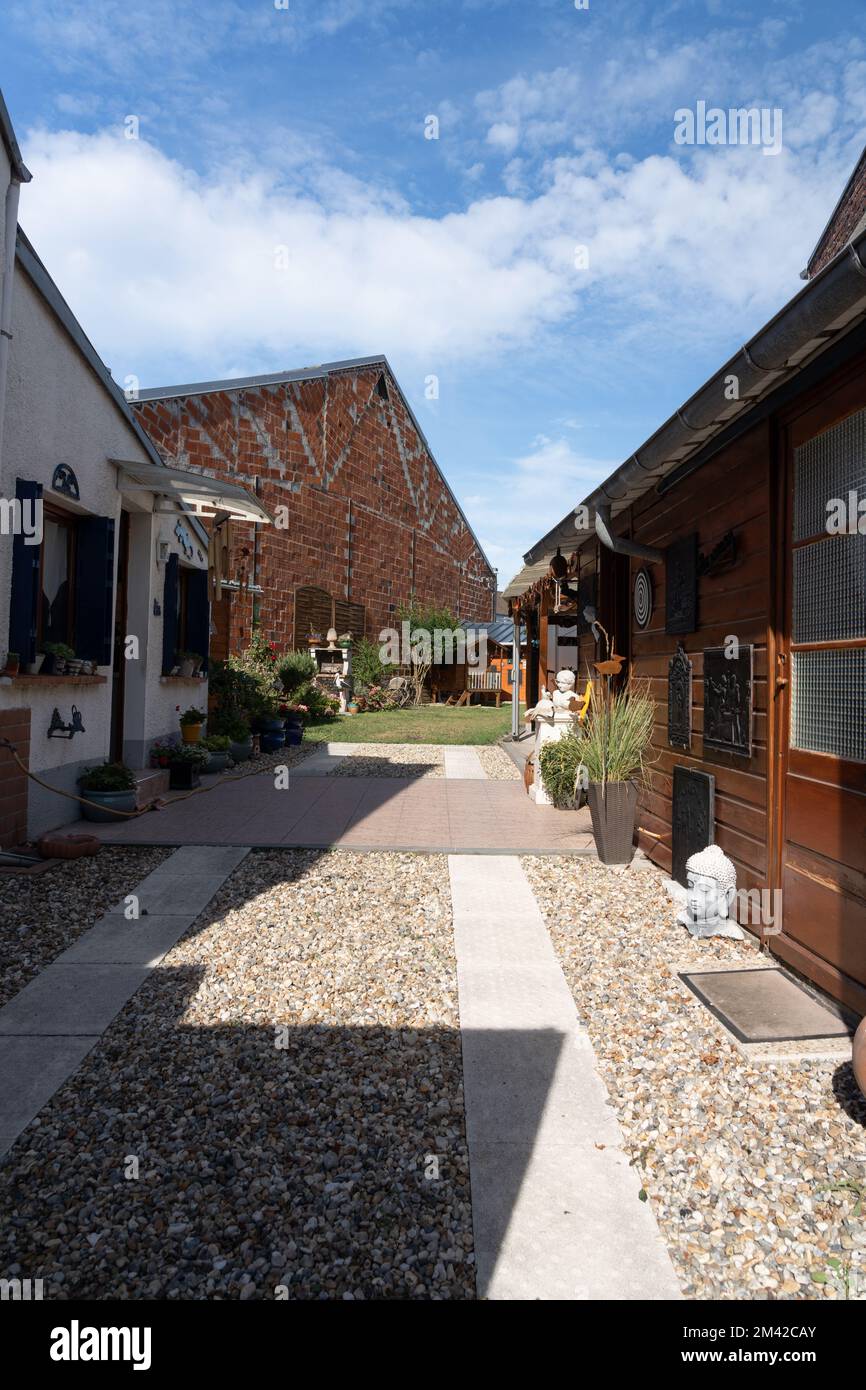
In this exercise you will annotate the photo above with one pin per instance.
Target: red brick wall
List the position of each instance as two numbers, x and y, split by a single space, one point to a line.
844 222
370 516
14 725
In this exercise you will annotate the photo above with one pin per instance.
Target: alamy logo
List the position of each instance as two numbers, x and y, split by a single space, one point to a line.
739 126
77 1343
19 518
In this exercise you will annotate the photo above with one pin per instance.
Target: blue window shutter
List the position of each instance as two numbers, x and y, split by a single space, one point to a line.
94 589
169 616
24 605
198 614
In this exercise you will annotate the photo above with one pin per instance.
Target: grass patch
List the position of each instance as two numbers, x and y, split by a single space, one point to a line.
428 724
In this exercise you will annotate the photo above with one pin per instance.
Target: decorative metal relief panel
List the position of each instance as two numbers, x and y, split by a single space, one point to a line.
692 817
681 585
680 700
728 700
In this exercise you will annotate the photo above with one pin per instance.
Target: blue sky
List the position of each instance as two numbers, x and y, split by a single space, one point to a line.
281 205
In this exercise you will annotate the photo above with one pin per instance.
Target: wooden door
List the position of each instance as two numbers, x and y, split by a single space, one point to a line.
820 690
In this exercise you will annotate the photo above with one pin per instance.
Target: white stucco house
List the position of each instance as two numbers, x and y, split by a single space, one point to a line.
100 548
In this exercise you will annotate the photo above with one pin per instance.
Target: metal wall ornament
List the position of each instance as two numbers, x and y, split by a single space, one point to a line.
642 598
680 700
693 817
728 700
681 585
64 481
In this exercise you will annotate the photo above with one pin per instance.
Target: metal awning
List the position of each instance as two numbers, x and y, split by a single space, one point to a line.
529 575
202 495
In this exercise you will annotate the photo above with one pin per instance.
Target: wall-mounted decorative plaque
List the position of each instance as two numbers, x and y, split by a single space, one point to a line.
681 585
728 700
692 817
680 700
642 598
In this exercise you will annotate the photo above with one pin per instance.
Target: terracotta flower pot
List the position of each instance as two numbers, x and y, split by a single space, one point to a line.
612 806
54 846
191 733
859 1058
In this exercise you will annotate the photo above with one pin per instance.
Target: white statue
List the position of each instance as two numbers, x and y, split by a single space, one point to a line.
554 715
707 901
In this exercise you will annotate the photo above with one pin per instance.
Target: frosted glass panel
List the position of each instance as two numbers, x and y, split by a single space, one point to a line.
830 465
830 590
828 703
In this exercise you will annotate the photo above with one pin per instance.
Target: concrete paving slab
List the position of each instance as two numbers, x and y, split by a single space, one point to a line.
199 860
462 761
31 1070
72 1000
556 1207
761 1005
172 895
116 941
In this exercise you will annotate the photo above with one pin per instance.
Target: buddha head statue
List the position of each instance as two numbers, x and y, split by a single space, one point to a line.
712 886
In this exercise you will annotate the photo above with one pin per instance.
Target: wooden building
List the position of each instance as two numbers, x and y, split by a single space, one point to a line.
728 558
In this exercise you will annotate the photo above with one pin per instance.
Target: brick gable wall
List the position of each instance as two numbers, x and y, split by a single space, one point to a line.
370 515
845 221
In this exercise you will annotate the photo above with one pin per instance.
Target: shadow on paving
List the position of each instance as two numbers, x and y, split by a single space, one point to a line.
332 1165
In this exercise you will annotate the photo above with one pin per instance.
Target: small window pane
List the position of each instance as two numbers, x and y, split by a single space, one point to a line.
830 590
828 703
829 466
55 582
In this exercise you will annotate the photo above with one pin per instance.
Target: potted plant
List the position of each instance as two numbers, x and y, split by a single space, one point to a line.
238 731
187 762
13 662
314 639
191 724
57 655
108 789
74 665
161 751
613 749
218 748
34 667
188 663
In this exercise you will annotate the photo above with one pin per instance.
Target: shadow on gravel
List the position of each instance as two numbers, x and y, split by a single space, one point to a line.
239 1162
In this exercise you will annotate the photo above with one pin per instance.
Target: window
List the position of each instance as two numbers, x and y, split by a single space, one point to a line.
55 621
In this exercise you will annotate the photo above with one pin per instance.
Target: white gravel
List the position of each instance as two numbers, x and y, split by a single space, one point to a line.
754 1171
309 1166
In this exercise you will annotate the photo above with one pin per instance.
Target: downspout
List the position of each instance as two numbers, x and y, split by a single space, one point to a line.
515 677
619 544
11 232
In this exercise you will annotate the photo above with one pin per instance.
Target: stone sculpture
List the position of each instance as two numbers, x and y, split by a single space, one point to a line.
707 901
555 714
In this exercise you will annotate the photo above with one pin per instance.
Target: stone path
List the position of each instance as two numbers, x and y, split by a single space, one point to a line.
463 812
555 1205
48 1028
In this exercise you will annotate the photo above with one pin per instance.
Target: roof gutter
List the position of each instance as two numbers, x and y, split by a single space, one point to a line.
619 544
829 305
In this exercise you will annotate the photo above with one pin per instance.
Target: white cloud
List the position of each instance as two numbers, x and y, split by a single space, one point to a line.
162 263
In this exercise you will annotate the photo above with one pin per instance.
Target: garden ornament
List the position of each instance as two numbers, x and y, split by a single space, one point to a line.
555 715
707 901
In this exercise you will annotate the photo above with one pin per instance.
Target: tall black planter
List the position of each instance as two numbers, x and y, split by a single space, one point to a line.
612 806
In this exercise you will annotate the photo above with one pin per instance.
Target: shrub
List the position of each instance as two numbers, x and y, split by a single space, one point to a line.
190 753
215 743
617 734
560 763
295 670
367 667
108 777
231 724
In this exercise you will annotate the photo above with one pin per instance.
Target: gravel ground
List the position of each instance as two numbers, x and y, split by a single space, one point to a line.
392 760
267 1158
43 913
498 765
753 1170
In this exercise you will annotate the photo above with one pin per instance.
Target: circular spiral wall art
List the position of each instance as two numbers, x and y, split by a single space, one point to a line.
642 598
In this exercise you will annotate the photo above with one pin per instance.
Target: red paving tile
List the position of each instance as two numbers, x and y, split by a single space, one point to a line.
381 812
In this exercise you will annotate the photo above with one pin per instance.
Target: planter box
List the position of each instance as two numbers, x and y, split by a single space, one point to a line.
184 776
612 807
107 804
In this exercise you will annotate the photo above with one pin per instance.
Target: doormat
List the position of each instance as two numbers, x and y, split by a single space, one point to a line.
766 1005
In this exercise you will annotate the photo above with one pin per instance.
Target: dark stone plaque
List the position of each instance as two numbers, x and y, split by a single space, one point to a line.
680 700
728 700
681 585
692 817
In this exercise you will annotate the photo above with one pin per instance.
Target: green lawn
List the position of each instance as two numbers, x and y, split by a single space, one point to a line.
428 724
